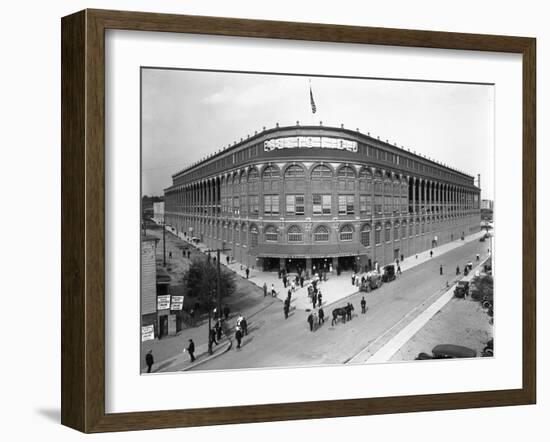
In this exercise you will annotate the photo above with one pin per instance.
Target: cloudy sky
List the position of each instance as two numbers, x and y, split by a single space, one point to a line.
189 114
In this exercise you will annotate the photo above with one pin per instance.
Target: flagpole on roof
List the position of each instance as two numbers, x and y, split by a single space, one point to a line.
312 103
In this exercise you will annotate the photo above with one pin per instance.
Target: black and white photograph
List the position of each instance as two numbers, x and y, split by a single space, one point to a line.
306 220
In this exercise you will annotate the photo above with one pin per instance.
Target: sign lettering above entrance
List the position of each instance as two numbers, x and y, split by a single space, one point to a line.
307 142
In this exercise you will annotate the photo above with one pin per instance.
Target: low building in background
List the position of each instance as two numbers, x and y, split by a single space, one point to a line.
158 212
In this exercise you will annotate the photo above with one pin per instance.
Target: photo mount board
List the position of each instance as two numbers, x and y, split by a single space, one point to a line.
83 220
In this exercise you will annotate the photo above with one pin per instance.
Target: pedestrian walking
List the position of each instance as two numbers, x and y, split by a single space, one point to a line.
457 270
321 315
244 326
310 321
149 360
431 253
273 292
440 269
314 300
247 271
399 270
238 336
284 281
363 305
212 337
226 312
319 298
227 259
477 257
265 289
191 350
353 279
218 328
293 287
286 308
301 282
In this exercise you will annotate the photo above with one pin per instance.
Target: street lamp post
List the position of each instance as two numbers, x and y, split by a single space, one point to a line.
218 276
210 322
164 242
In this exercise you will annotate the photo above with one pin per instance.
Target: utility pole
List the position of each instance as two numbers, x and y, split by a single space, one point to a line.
218 278
164 242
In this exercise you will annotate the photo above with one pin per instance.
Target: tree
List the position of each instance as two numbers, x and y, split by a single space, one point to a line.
483 288
200 282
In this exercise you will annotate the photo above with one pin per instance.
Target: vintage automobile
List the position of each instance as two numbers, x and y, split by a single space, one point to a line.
370 281
462 289
488 351
448 351
388 273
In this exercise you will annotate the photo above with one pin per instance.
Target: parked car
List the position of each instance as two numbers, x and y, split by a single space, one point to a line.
462 289
370 281
388 273
488 351
448 351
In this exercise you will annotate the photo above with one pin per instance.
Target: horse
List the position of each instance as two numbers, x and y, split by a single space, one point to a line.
344 312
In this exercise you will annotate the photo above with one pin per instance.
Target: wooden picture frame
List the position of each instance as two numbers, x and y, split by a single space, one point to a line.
83 220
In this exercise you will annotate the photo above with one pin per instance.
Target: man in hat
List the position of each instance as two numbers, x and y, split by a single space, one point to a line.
191 350
149 360
238 336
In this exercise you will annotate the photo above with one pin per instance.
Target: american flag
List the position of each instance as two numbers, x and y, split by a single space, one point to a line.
313 107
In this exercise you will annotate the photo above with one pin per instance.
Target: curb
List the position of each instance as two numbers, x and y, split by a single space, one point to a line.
209 358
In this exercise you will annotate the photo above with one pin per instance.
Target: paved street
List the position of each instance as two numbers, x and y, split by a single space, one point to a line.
274 341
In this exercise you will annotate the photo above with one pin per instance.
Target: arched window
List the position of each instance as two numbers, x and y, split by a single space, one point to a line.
378 233
346 233
346 178
365 180
253 236
270 180
236 234
417 226
321 171
271 234
243 234
364 173
295 234
346 172
396 231
365 235
423 225
294 171
253 180
271 172
321 233
387 232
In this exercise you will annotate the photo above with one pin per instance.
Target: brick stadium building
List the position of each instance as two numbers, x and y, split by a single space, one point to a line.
311 197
